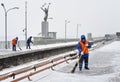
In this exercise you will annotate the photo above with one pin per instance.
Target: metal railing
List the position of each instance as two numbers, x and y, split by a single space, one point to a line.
59 60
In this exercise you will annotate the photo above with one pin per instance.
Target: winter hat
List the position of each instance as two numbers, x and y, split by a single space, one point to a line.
83 37
30 36
17 38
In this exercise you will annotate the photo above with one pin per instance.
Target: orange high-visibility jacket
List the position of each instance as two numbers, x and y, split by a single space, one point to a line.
83 47
14 41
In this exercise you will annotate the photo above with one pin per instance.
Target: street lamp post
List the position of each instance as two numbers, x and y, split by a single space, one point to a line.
77 30
6 11
66 28
26 23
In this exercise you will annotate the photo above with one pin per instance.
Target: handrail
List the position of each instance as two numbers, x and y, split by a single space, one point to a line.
33 73
14 73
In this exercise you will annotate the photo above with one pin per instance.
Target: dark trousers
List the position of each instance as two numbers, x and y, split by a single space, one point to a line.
28 45
85 59
14 48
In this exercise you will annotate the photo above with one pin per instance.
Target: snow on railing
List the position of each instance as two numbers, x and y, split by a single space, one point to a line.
41 65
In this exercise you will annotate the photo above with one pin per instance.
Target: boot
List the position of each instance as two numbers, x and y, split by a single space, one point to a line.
86 68
80 68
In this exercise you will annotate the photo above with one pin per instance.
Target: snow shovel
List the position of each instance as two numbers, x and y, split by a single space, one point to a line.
19 47
76 64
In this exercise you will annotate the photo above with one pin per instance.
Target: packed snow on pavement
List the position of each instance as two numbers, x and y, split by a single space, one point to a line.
103 62
104 67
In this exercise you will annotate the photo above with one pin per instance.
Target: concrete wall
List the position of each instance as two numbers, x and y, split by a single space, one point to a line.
27 56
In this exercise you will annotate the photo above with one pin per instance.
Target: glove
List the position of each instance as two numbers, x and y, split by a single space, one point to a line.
82 53
86 45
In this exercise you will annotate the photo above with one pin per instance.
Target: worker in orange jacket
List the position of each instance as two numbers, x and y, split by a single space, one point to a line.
14 43
83 48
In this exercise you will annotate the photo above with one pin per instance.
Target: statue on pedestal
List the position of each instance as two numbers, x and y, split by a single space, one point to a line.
45 9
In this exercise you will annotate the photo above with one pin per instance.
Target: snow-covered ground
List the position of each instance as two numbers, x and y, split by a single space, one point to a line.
9 51
104 67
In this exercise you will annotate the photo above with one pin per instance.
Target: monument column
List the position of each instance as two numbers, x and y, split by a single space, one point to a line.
45 30
45 24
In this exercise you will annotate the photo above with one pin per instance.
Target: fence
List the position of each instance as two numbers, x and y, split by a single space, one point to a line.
9 44
22 43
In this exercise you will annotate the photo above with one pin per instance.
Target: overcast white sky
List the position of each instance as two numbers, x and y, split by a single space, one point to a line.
95 16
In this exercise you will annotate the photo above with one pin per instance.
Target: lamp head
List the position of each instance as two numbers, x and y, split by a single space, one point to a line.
2 4
16 7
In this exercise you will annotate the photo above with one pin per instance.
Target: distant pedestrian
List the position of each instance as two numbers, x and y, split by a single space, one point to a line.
14 43
29 40
83 46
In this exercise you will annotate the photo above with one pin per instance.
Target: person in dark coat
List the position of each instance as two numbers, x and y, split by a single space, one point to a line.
28 42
